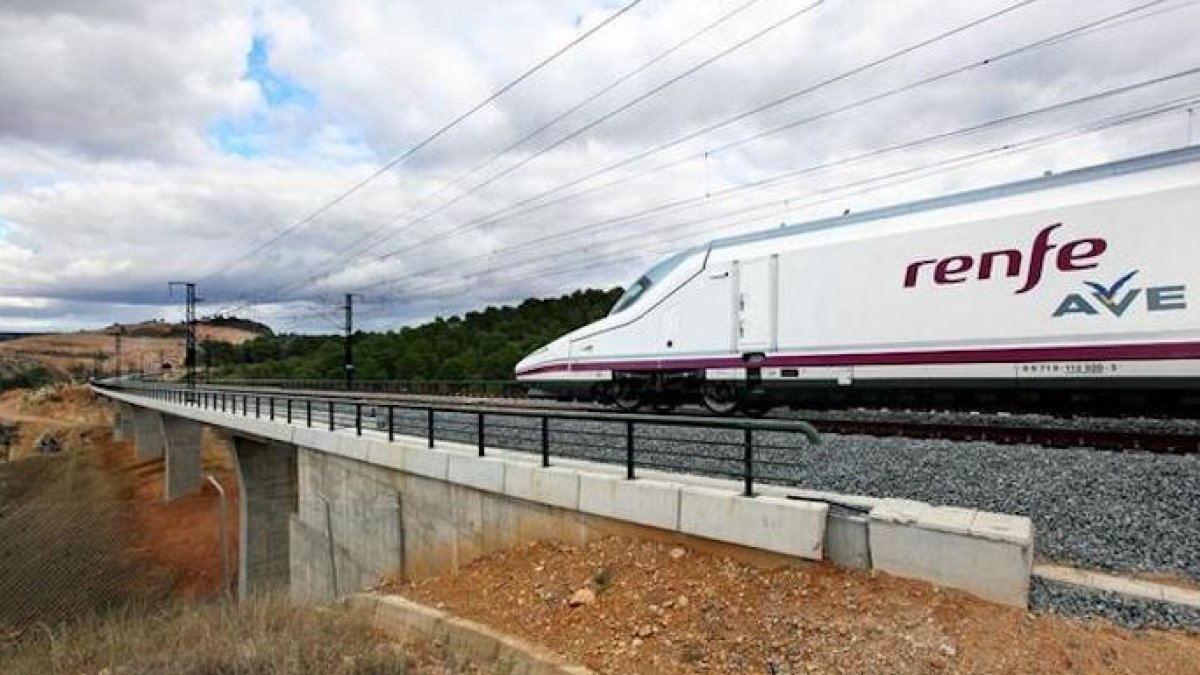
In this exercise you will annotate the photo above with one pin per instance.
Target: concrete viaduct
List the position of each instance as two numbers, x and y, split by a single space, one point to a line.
325 513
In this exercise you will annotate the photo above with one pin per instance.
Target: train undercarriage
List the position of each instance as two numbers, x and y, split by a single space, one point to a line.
753 396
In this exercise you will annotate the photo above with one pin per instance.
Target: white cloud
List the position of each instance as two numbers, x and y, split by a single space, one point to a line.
122 122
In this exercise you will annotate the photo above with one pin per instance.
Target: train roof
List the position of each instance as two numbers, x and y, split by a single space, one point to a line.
1075 176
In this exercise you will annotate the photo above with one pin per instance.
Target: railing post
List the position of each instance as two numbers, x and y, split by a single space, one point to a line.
308 412
257 406
233 404
222 401
245 405
429 425
288 405
545 441
331 415
479 433
748 461
271 407
357 418
391 423
629 449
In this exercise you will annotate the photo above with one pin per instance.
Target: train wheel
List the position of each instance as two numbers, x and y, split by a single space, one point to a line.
720 399
756 408
601 394
627 397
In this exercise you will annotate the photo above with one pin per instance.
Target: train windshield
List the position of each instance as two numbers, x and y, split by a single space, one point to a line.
634 292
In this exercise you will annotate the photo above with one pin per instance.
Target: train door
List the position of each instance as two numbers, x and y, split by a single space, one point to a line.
756 301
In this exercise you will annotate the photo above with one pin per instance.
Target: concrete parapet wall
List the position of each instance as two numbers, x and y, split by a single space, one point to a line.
424 510
795 528
987 554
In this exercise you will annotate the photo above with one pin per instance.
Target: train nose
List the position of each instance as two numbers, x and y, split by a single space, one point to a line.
550 354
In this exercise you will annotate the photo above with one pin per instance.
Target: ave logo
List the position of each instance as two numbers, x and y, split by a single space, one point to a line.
1116 299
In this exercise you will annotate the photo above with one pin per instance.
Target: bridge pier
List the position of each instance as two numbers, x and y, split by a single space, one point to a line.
266 472
123 422
181 439
148 442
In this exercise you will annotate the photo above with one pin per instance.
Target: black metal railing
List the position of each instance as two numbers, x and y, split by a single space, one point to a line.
746 449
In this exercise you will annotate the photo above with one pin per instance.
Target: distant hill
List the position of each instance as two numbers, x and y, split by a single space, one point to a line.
484 344
223 328
150 346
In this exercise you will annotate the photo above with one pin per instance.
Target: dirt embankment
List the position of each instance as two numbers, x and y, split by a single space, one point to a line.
83 527
622 606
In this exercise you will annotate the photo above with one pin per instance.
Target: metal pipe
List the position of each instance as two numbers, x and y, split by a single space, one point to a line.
480 434
332 553
629 449
748 461
225 576
429 425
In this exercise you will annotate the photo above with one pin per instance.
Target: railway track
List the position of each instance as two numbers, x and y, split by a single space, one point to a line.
1116 434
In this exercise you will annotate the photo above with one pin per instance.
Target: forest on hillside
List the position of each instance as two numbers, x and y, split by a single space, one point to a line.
480 345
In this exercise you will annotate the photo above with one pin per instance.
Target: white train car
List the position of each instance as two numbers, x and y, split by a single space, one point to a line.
1075 288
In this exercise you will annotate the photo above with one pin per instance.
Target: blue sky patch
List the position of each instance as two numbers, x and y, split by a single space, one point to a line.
277 89
244 135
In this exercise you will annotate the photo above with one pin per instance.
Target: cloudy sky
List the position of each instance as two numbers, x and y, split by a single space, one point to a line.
219 141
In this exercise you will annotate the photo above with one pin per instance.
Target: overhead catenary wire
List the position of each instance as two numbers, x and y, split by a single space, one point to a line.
508 211
1126 14
624 107
370 237
859 187
799 172
520 206
397 159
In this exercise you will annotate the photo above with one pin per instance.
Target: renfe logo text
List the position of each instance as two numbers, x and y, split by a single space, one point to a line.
1080 254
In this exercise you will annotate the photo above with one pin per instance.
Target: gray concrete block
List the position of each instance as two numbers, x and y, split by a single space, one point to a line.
551 485
481 473
148 438
792 527
942 546
847 542
645 502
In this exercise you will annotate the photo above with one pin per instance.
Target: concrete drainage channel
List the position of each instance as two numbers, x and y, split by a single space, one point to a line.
406 620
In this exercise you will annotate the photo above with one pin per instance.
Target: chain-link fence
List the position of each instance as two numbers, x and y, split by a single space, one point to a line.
62 560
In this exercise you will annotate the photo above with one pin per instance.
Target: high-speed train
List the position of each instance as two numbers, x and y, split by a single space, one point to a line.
1074 291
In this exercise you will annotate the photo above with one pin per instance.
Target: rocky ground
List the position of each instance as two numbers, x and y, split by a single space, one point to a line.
630 607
